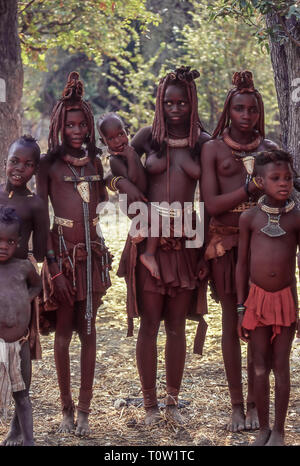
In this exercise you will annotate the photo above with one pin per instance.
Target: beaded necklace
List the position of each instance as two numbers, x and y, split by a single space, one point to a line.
273 229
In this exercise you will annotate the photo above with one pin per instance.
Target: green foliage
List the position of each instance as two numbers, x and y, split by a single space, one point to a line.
253 12
126 80
96 28
219 48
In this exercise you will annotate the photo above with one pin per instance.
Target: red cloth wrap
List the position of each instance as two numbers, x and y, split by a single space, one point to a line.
178 271
269 308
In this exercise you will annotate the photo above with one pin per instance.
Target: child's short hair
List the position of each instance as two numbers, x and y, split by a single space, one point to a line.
275 156
272 156
8 216
28 141
105 117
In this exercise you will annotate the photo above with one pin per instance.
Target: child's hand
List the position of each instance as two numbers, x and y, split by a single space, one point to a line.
242 332
127 151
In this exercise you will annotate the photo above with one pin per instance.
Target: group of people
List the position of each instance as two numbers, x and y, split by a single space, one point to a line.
248 257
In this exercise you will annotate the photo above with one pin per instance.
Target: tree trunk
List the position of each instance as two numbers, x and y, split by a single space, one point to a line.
11 78
286 65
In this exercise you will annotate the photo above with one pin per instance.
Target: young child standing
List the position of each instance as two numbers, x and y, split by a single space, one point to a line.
76 275
19 284
21 164
269 236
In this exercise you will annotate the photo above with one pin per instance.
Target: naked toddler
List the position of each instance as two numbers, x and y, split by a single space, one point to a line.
19 284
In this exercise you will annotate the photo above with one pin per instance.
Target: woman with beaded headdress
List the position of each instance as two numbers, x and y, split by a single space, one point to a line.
228 189
172 146
76 272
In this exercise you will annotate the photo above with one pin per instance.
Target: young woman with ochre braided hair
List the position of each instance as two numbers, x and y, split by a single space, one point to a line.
228 189
76 273
172 146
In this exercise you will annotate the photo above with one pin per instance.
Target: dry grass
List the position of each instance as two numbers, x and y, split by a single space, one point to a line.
204 388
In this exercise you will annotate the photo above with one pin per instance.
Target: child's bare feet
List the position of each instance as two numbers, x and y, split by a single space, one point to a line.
262 438
83 428
251 422
152 416
172 413
150 263
67 425
237 419
276 439
14 437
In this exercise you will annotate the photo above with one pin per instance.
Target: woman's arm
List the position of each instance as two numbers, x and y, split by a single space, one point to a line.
215 202
242 269
62 287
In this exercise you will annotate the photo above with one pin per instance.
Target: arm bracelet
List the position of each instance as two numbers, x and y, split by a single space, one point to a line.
240 308
112 185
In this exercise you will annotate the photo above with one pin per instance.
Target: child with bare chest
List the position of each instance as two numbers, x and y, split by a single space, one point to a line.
21 164
268 241
19 284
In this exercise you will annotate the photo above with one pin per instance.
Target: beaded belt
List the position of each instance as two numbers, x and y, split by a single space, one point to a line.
64 222
243 206
170 212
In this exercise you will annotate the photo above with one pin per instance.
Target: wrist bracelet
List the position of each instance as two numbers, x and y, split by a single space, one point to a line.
240 308
112 186
255 182
57 275
51 260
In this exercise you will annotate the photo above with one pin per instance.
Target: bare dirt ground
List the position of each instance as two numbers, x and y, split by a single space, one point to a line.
204 393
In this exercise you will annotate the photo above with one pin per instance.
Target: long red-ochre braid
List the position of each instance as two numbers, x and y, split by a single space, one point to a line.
243 84
184 77
72 99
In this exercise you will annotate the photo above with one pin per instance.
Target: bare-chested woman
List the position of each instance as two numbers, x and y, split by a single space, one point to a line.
172 147
227 189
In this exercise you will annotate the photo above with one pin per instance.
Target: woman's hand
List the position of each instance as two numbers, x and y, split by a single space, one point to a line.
63 290
203 269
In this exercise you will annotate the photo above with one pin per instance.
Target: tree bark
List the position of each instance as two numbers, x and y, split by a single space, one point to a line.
11 73
286 65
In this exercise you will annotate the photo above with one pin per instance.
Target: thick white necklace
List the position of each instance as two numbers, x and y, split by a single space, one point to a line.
273 228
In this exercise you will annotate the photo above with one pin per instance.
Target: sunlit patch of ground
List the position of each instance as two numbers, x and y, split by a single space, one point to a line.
204 390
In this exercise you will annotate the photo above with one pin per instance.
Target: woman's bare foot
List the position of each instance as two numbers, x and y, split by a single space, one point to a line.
172 414
152 416
83 428
276 439
67 425
237 419
262 438
251 421
150 263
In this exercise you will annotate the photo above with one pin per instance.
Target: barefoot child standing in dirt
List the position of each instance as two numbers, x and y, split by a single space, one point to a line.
268 240
227 163
19 284
21 164
78 261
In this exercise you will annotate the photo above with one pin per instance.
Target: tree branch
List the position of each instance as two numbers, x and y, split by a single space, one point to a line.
295 41
27 6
